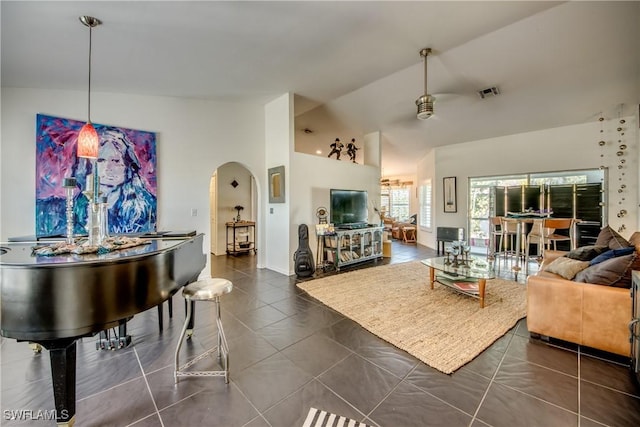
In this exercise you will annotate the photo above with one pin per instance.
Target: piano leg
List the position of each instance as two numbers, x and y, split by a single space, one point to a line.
160 313
62 354
160 318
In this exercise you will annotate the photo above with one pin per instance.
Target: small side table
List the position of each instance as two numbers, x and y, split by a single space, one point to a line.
241 237
409 234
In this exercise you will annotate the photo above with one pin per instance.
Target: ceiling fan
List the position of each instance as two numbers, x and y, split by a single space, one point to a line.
425 102
389 182
386 182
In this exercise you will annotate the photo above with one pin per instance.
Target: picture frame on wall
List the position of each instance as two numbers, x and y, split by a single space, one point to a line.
276 185
449 194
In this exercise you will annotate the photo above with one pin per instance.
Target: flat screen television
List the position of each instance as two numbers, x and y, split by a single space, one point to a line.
349 208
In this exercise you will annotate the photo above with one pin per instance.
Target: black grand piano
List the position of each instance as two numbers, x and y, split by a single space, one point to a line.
54 300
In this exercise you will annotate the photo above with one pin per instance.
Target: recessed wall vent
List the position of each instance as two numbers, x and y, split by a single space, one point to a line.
489 92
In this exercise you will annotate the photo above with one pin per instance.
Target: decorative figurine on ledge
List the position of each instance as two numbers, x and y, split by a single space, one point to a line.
336 148
351 150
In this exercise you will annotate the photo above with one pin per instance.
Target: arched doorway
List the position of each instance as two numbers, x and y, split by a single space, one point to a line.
232 185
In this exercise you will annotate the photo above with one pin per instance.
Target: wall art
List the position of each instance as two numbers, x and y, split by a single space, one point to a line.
126 167
449 194
276 185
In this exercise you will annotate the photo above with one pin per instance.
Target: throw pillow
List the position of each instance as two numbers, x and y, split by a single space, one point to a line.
613 253
634 240
586 253
627 280
566 267
608 237
609 273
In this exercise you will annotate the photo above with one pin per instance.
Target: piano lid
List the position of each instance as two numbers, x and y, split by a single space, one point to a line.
19 254
46 298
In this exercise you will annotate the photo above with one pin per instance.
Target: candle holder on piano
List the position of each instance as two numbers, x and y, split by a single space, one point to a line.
69 185
92 220
97 213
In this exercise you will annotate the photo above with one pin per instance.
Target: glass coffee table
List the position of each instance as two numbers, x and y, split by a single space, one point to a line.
469 277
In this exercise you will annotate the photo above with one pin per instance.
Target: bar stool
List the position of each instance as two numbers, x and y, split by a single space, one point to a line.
209 289
543 233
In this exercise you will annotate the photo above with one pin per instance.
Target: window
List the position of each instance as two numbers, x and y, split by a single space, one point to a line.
480 199
573 177
425 205
385 201
480 204
395 201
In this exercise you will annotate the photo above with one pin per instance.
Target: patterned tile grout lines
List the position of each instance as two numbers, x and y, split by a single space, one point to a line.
107 389
317 377
530 395
260 413
144 376
491 381
579 385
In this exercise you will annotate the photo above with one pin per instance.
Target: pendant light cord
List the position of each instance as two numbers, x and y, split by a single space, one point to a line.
89 91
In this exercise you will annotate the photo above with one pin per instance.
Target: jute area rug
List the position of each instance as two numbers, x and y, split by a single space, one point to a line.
441 327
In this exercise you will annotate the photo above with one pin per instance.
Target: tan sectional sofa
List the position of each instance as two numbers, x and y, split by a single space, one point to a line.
588 314
583 313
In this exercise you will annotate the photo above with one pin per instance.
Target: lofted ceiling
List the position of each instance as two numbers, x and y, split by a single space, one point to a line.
351 64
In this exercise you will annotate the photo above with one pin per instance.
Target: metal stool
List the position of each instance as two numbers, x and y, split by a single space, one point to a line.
209 289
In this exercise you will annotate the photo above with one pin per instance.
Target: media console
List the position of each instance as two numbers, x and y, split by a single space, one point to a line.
346 247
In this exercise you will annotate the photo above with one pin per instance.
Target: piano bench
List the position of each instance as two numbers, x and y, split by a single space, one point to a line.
209 289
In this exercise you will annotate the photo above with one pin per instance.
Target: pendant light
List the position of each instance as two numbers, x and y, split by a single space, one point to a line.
88 140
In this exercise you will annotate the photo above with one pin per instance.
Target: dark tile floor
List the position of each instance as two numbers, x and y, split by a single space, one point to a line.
289 353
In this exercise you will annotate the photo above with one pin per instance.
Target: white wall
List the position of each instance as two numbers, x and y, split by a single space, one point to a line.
319 175
325 127
373 149
563 148
279 140
194 137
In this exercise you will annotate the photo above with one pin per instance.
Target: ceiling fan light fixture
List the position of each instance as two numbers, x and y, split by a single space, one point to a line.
425 106
425 102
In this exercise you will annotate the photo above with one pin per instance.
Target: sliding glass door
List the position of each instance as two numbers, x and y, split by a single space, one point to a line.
497 195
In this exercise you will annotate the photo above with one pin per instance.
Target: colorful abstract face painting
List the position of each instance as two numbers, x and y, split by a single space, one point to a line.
126 166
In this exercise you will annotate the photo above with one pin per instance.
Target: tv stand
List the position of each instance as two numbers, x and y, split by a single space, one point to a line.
347 247
354 226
